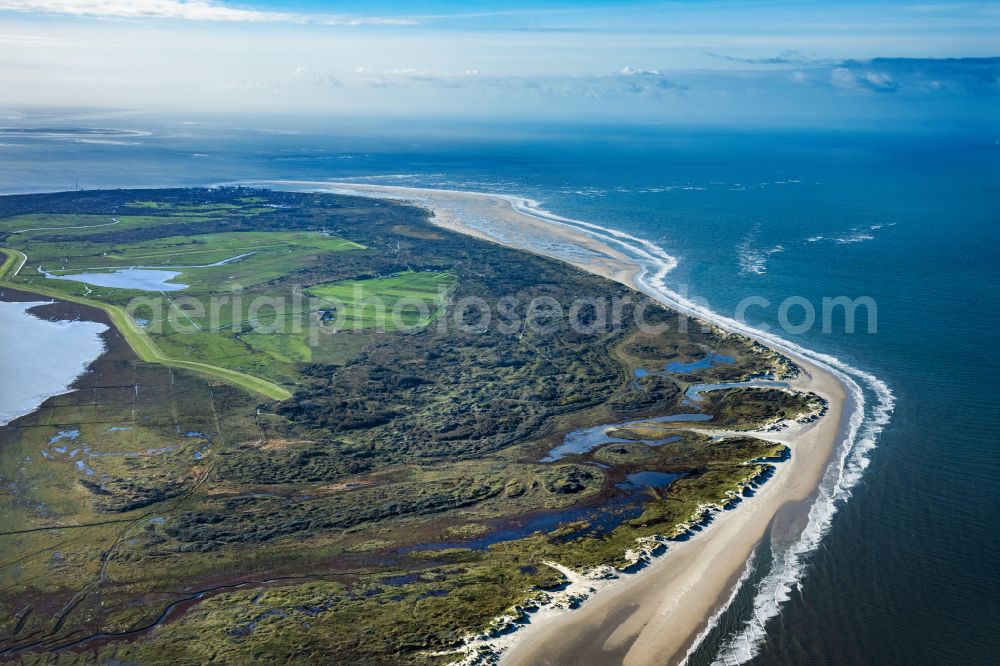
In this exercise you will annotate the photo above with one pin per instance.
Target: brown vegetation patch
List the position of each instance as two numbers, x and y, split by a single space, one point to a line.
340 487
280 444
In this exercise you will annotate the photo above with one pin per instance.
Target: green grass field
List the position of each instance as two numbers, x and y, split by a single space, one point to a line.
191 250
256 361
407 300
207 353
257 256
172 207
42 225
144 347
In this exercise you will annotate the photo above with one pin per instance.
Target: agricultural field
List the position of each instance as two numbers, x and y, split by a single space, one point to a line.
270 483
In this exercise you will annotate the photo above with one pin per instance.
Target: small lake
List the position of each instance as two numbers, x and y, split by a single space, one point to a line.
588 439
142 279
41 358
600 519
637 480
711 359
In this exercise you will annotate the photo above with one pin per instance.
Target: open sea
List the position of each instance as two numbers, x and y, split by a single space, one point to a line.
907 570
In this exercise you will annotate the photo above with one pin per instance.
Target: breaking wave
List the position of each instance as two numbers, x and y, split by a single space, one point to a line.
870 403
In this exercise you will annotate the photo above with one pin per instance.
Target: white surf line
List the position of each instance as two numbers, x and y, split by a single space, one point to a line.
840 477
523 205
88 132
714 620
85 226
834 489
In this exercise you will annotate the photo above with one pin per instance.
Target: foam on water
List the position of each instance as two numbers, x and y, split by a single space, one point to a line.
869 404
865 422
714 620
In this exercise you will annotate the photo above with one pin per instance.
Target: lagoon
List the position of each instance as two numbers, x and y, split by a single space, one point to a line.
587 439
68 347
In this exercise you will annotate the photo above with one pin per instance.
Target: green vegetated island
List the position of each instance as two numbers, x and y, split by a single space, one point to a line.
320 482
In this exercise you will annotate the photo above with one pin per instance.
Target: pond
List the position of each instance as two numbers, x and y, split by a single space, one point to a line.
588 439
142 279
710 359
599 519
648 479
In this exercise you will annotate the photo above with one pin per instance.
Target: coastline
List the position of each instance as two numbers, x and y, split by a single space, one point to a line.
81 335
674 592
658 614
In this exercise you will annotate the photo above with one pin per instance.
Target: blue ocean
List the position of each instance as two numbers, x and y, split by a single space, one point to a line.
907 566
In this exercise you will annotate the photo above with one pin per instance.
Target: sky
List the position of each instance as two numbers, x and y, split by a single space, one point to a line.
748 62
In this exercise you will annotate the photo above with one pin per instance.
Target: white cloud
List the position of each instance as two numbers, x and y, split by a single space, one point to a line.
368 20
25 39
192 10
842 77
879 81
606 85
408 76
630 80
407 71
317 78
199 10
629 71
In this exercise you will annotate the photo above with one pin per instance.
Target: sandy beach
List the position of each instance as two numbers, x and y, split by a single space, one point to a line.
655 615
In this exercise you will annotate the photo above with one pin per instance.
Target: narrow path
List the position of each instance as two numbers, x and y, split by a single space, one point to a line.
181 310
83 226
221 262
140 342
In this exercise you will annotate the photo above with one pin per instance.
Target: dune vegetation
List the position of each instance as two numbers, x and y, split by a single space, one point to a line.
312 479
